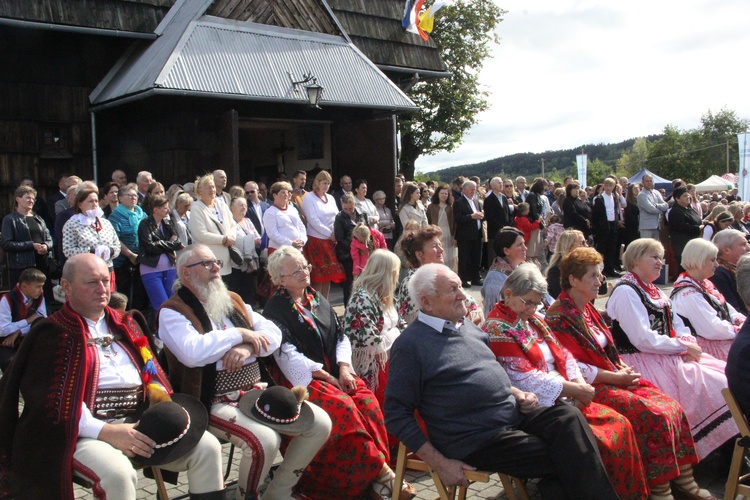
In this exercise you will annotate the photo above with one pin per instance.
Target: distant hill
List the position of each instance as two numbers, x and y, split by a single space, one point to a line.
556 163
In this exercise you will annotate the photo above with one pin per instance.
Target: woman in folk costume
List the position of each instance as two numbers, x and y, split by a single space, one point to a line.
316 354
703 309
661 427
660 347
536 362
371 321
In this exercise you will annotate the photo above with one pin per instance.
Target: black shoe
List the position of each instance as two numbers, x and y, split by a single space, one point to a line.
465 284
477 282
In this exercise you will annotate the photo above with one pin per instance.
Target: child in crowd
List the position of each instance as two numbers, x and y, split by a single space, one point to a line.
19 308
118 301
523 223
364 241
554 230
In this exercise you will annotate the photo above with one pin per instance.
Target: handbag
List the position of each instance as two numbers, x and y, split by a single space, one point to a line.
234 253
253 264
54 269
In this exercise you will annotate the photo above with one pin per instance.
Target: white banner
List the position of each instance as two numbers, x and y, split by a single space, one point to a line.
743 177
581 161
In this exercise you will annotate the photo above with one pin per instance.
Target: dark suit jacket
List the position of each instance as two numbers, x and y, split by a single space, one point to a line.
337 196
496 214
726 283
684 225
599 221
250 214
738 368
466 227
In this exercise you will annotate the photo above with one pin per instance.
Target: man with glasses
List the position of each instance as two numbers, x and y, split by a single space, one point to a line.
212 342
255 207
346 188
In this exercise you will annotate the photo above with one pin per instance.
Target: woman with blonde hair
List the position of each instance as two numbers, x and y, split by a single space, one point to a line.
569 240
320 249
371 321
211 223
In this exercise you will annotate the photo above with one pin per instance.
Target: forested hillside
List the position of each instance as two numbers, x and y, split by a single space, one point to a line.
557 164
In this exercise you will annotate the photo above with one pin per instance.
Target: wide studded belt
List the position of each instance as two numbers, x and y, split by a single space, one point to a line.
242 379
117 403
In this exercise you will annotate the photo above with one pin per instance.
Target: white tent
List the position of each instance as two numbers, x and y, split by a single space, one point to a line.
714 183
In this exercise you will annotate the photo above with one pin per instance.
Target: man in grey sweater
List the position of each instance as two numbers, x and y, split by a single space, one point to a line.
443 367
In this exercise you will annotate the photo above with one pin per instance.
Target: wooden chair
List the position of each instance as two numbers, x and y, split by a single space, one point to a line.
408 460
741 444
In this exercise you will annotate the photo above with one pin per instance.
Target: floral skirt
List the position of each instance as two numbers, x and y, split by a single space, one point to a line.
661 428
619 449
357 448
697 387
322 255
719 349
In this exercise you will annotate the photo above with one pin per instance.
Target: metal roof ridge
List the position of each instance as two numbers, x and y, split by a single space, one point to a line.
271 30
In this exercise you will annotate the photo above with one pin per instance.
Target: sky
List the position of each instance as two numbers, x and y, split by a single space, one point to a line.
574 72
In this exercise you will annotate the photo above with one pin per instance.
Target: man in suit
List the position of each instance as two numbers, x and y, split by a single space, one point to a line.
651 206
255 207
443 366
346 187
143 180
468 215
220 181
521 191
607 222
497 213
738 360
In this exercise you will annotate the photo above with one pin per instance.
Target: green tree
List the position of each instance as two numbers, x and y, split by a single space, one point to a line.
464 33
634 160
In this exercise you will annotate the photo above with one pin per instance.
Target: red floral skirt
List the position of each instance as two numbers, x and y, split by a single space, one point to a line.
357 448
322 255
619 449
661 429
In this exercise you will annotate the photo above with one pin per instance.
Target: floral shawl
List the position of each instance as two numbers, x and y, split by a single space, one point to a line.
363 324
516 348
572 328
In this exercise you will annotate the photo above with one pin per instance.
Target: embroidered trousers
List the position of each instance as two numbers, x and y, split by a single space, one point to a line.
260 444
113 477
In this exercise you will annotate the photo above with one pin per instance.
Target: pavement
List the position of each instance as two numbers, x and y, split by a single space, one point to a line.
710 474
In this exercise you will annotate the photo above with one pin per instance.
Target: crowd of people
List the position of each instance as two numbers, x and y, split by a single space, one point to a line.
217 296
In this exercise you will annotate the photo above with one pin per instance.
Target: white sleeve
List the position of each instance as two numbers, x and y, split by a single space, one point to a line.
344 352
737 317
295 366
7 326
190 347
269 330
301 229
88 425
272 228
314 224
708 231
626 307
588 372
42 309
691 304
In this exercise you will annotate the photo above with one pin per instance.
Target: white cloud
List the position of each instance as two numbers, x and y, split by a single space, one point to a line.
573 72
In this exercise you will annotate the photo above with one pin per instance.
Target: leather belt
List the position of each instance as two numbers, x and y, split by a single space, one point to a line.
117 403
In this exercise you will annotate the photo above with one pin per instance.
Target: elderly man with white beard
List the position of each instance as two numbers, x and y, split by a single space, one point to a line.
212 341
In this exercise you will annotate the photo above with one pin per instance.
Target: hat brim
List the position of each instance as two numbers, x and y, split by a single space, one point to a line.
303 423
198 425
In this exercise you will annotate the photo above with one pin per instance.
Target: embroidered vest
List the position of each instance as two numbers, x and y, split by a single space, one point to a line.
721 309
659 319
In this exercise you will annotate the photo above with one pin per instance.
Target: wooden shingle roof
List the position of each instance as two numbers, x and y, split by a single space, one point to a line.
140 16
374 26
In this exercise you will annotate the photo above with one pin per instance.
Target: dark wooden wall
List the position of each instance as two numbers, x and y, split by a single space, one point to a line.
309 15
364 149
45 125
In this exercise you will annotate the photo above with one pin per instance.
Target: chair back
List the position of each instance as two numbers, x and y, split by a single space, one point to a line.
736 411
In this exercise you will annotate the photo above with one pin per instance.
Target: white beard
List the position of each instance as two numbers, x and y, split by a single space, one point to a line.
215 298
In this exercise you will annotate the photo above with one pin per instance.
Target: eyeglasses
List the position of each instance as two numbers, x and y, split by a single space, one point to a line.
529 305
248 192
299 273
508 185
129 195
207 264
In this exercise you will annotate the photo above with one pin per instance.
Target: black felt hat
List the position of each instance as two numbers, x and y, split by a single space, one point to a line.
279 408
175 425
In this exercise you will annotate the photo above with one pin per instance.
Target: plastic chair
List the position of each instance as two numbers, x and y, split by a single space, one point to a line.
741 444
514 487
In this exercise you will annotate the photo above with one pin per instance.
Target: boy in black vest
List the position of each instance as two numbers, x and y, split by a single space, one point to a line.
18 309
